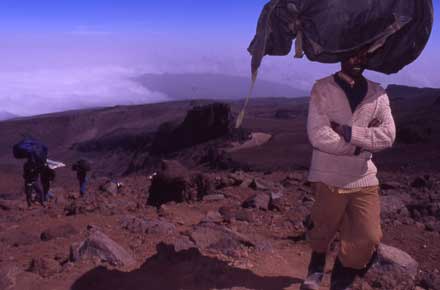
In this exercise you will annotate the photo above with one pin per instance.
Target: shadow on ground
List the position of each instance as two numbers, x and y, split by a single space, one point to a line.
170 270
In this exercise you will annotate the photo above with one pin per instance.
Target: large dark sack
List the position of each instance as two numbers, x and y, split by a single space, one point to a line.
328 31
31 149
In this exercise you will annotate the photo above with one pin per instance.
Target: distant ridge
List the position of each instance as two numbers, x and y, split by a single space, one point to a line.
407 91
4 115
214 86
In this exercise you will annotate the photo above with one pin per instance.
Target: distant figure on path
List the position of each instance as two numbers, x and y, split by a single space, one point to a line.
31 173
349 118
82 167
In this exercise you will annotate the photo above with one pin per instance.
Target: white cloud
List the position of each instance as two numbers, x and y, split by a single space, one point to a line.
43 91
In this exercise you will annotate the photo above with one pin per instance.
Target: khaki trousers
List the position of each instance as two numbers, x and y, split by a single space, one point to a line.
356 215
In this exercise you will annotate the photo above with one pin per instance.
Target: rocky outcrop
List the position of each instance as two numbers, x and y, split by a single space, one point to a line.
201 124
99 245
175 183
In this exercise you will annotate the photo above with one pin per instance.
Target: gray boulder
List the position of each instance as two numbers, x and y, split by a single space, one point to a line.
101 246
219 238
161 226
110 187
134 224
276 201
239 178
213 217
259 184
394 269
259 201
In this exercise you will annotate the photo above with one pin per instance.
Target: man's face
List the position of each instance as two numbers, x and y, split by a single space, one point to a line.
355 65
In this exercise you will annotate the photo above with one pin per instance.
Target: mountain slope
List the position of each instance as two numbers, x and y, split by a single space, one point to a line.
4 115
214 86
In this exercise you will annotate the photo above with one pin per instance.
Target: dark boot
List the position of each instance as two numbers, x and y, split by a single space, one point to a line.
343 277
315 272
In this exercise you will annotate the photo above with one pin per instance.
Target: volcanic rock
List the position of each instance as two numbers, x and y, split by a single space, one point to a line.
142 225
171 184
160 226
394 269
276 202
259 184
201 124
213 217
110 187
430 280
230 213
44 267
101 246
259 201
239 178
216 158
205 235
201 185
134 224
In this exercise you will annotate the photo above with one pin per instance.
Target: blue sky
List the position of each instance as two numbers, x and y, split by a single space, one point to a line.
53 50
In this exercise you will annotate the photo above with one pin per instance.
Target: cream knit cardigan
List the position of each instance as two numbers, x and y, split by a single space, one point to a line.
334 161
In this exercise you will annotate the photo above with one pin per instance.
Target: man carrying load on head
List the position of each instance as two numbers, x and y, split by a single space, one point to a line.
349 118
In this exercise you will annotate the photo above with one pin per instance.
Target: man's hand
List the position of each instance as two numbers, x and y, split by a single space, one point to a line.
374 123
336 127
342 130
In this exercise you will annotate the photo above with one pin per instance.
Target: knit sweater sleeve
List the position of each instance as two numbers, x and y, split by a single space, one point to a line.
321 135
377 138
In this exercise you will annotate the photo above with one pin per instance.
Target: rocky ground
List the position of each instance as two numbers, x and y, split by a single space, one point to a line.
245 231
205 207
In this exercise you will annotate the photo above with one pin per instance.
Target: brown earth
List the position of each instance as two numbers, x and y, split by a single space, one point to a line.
275 255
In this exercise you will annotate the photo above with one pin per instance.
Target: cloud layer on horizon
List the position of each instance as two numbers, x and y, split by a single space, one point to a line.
90 68
52 90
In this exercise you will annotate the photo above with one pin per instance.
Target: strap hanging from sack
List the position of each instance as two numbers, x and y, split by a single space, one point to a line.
240 117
